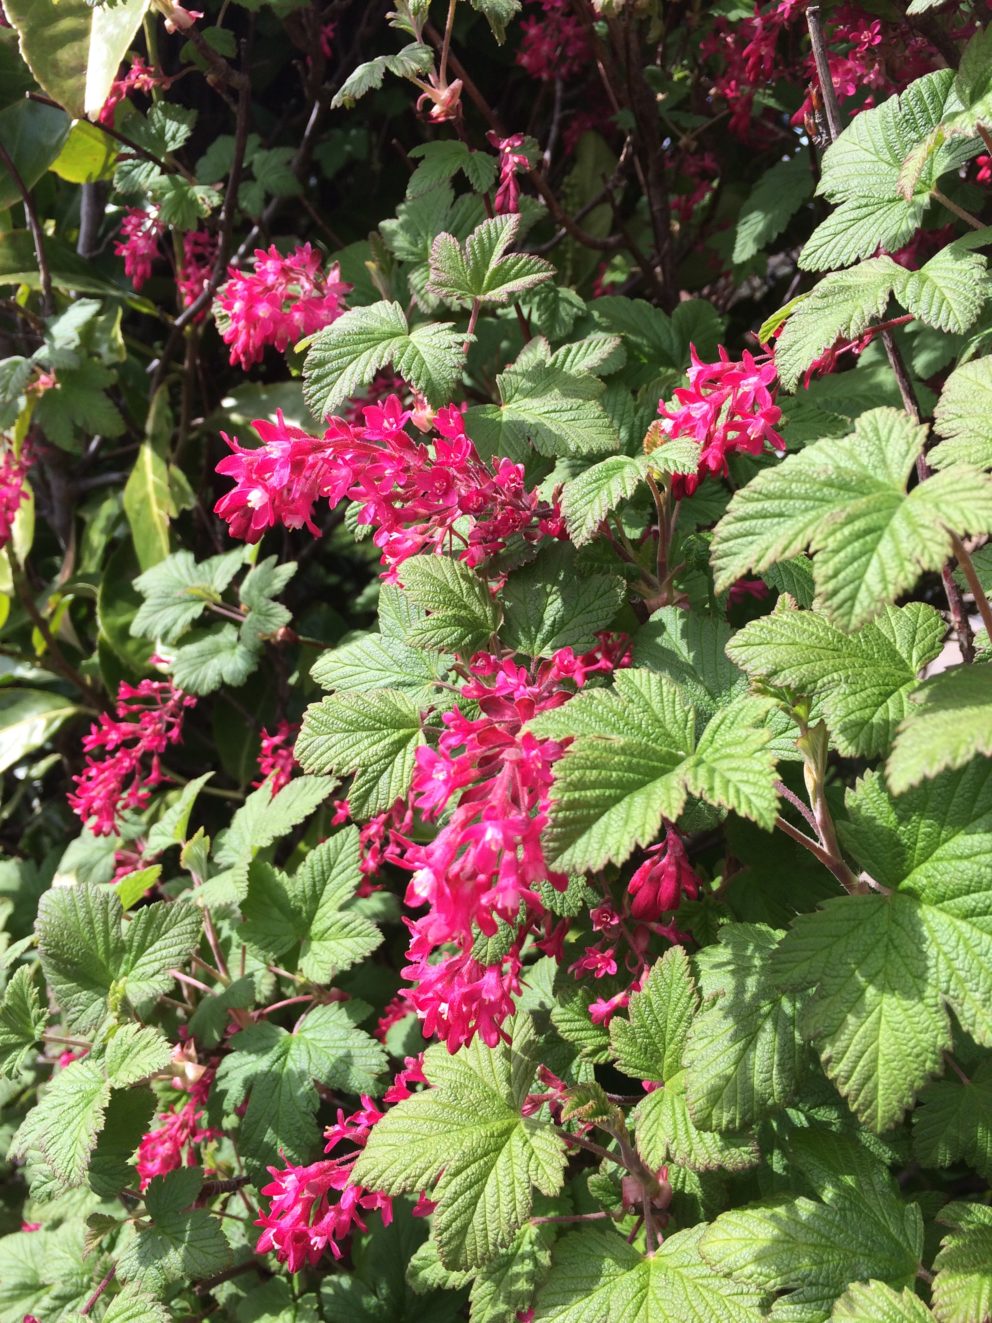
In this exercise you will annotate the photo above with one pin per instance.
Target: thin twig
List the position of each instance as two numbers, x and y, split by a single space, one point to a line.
37 238
796 802
831 105
132 146
960 212
111 1274
227 214
839 869
55 657
974 583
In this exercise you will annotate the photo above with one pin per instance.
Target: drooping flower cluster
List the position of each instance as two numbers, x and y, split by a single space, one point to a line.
305 1217
276 760
282 300
199 255
140 77
488 782
174 1143
554 44
123 753
139 244
14 469
419 497
511 161
663 880
727 406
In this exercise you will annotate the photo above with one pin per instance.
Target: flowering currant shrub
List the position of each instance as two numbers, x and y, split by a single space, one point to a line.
495 664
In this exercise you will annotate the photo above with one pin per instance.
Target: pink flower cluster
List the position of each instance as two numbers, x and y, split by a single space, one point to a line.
139 244
554 45
14 469
727 406
419 497
282 300
511 161
196 268
140 77
276 761
866 58
304 1217
174 1143
665 877
487 782
123 754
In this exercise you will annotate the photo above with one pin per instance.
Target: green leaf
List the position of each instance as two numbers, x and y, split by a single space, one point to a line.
78 403
463 612
22 1021
375 736
814 1250
949 291
134 1053
412 60
73 49
180 1242
345 356
874 1302
744 1057
862 682
45 1271
376 661
690 649
67 1119
961 417
962 1287
310 910
265 817
633 759
134 1306
274 1070
885 969
149 506
648 1043
544 406
847 500
440 161
771 204
128 1117
840 307
666 1132
177 591
953 1122
498 13
86 957
216 659
28 718
469 1128
949 723
480 270
863 169
587 499
508 1283
938 834
33 135
554 604
596 1277
69 272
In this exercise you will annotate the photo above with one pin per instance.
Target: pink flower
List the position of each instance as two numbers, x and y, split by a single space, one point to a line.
511 162
554 45
303 1219
727 406
196 268
172 1144
140 77
660 883
149 718
275 757
14 469
141 232
419 497
283 300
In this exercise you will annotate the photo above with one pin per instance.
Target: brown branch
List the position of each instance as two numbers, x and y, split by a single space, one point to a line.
37 238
